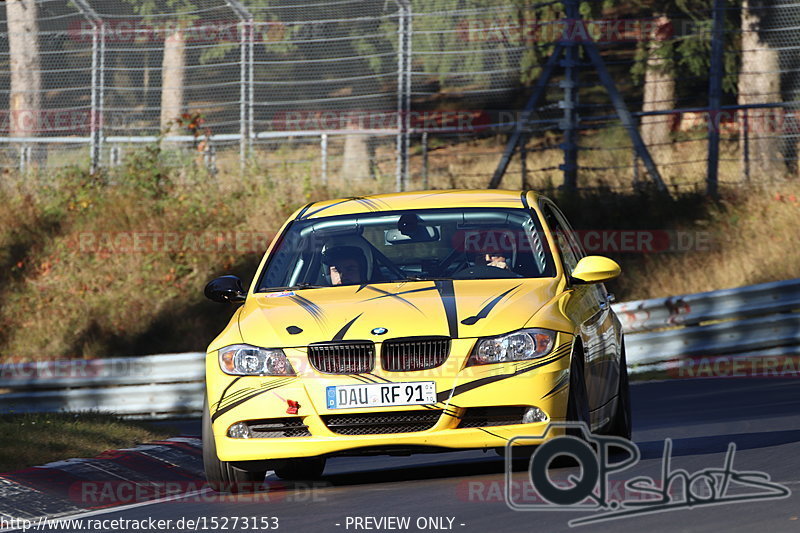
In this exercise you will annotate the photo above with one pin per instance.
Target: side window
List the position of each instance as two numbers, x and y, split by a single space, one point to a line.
568 245
574 241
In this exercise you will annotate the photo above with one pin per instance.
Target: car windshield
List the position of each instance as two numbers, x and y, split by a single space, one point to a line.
485 243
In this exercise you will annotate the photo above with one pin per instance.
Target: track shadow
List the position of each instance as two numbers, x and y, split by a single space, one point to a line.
719 443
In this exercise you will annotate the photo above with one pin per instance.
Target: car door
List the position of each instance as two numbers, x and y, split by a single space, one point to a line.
589 307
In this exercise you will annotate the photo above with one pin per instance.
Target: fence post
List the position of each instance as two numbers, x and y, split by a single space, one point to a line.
425 160
403 92
569 124
324 155
98 83
746 147
245 72
714 97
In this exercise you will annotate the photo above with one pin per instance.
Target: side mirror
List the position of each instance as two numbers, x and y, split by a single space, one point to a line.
225 289
595 269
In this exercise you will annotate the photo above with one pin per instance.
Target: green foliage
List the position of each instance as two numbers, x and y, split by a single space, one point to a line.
689 53
145 170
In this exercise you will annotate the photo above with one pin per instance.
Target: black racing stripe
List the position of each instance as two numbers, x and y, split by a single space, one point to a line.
362 287
387 294
493 434
249 390
340 334
301 213
235 396
554 391
559 386
221 396
362 378
447 294
560 350
237 403
484 312
370 204
313 309
460 389
437 193
340 202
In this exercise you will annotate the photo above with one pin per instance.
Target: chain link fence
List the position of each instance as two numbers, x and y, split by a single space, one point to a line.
414 93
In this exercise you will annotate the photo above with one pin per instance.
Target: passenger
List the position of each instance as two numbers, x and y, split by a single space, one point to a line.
346 265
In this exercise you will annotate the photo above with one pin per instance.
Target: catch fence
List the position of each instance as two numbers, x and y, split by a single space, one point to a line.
414 93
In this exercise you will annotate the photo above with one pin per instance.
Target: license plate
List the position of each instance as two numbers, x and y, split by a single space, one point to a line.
381 394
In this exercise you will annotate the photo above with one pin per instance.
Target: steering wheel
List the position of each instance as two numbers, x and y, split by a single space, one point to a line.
449 260
484 272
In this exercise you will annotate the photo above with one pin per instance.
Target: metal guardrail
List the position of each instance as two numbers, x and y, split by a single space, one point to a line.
757 321
151 386
690 309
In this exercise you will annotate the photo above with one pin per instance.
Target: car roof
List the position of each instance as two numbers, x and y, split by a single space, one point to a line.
414 200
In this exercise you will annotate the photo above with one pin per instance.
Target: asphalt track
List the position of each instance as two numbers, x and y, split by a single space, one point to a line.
701 416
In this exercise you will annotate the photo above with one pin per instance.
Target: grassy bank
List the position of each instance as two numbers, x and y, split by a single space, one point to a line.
73 283
36 439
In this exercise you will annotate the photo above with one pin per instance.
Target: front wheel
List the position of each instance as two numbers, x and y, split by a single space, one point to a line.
578 402
622 424
221 475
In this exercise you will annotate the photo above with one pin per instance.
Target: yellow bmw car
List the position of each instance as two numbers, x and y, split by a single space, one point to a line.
411 322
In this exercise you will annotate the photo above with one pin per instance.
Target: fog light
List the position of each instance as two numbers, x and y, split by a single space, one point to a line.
533 414
239 430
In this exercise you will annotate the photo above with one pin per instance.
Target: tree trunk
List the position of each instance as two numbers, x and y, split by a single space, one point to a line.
659 90
173 72
759 83
357 158
26 79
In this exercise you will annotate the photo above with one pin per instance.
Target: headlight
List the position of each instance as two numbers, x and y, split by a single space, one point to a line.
245 360
517 346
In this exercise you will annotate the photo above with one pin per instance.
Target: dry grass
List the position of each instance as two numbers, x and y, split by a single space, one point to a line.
753 235
36 439
61 299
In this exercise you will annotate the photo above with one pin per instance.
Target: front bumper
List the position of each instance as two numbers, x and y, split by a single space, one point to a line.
541 383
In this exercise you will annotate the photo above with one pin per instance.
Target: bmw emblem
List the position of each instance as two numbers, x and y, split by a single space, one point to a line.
379 331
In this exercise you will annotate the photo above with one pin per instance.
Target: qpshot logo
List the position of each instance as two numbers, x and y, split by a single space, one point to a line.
599 456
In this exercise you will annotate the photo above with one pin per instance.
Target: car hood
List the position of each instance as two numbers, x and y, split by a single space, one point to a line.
457 309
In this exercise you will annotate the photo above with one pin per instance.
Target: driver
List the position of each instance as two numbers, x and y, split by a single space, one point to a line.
346 265
494 259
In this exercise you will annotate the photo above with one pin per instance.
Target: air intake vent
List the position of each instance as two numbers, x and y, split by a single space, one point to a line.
343 358
414 353
378 423
276 428
480 417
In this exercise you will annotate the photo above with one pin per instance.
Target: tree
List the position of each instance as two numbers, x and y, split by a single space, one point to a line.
759 83
173 74
26 78
659 83
173 64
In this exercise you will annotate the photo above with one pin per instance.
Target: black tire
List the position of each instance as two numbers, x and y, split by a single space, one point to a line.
578 403
221 476
622 424
305 469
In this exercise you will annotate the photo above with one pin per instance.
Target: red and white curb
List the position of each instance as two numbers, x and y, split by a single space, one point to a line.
157 471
